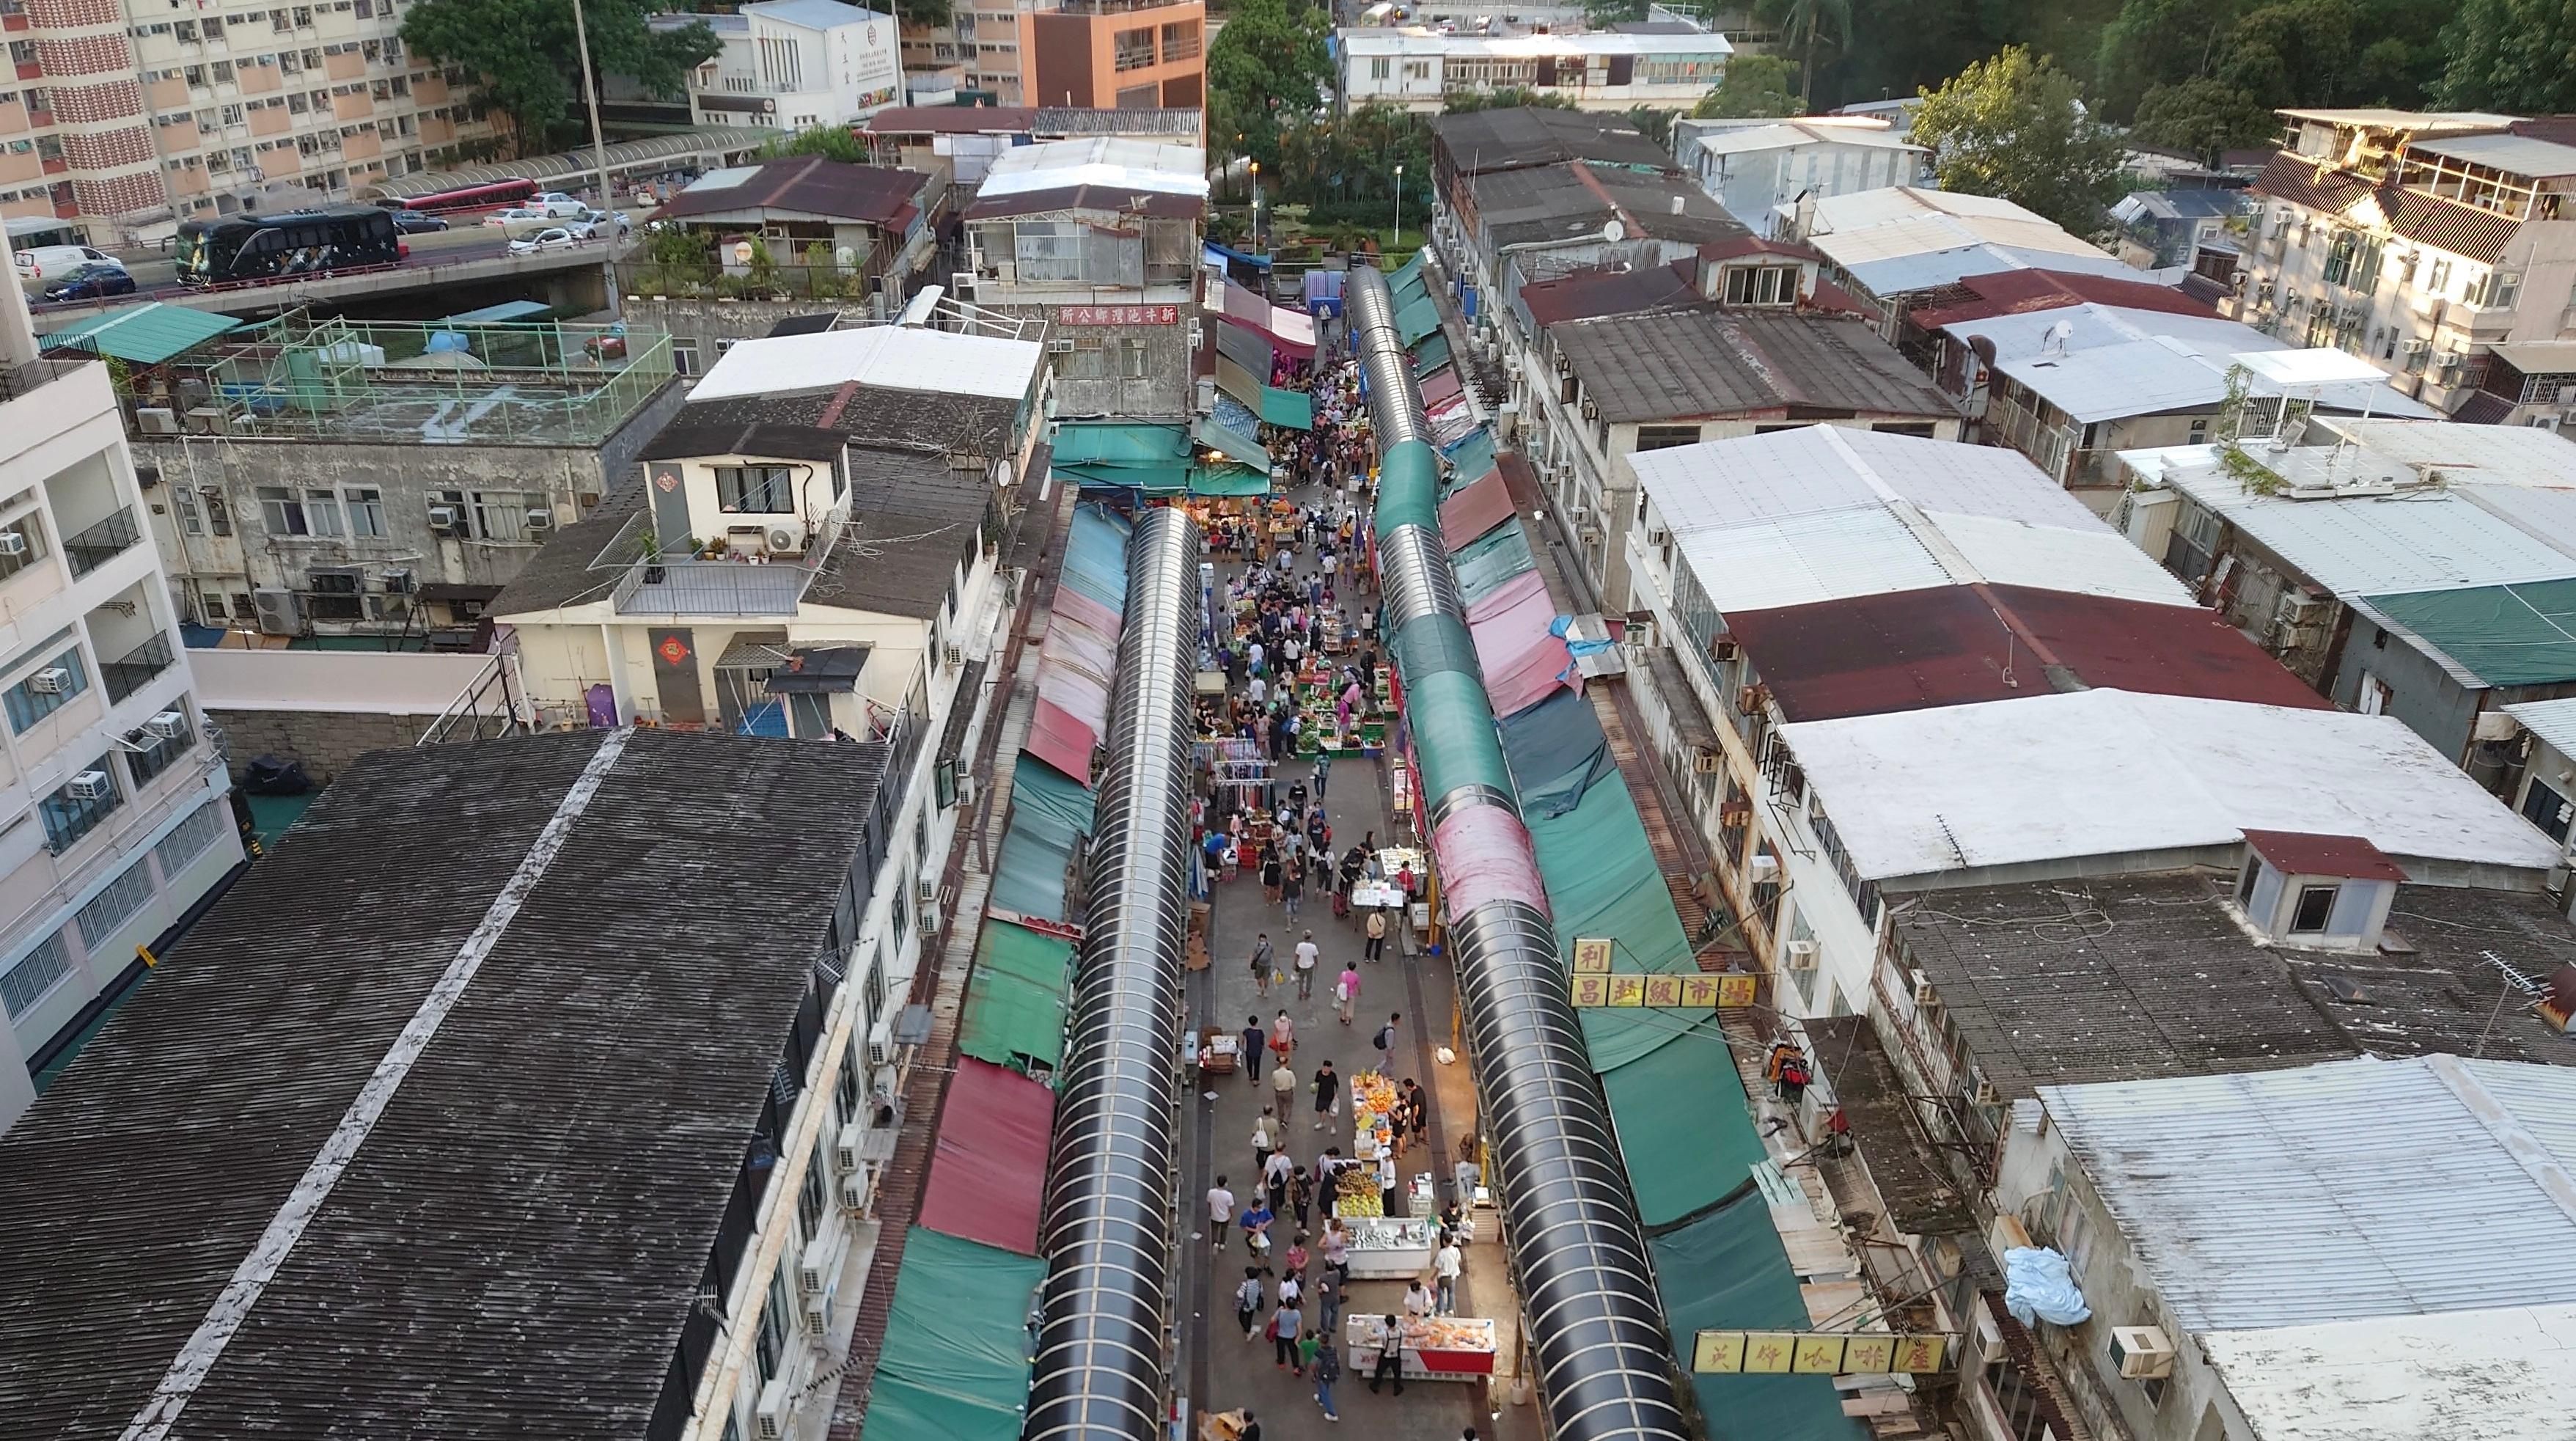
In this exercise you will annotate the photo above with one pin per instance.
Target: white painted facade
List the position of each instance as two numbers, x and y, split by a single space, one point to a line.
1418 69
1755 167
113 817
796 64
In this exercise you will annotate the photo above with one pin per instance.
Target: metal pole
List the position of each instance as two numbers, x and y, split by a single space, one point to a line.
599 157
1399 207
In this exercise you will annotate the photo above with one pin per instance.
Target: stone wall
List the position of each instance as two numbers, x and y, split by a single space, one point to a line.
327 742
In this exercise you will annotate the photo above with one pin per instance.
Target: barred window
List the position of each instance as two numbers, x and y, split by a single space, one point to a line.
110 909
189 839
26 983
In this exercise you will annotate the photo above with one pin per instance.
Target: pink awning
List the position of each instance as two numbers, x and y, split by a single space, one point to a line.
1475 509
1073 605
1505 596
1440 384
1292 331
988 1174
1484 855
1522 661
1057 737
1074 668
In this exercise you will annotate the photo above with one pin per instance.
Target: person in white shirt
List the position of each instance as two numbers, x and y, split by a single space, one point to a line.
1220 1204
1444 1272
1307 951
1258 689
1417 1298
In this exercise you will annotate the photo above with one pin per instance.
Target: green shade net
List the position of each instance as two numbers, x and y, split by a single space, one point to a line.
1241 449
1557 752
2502 634
1727 1271
1489 560
1472 459
1431 354
1661 1103
1408 488
955 1366
1029 875
1287 407
1015 1002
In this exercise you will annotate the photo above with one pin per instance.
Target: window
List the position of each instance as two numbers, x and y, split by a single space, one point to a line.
754 489
30 530
684 357
151 754
322 513
772 1346
460 521
282 512
26 983
2438 279
1381 67
1664 437
2316 903
44 691
1047 250
110 909
210 607
68 817
366 510
845 1090
190 839
1762 285
810 1199
502 515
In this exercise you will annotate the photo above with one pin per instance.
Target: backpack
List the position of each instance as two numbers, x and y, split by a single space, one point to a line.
1386 1038
1247 1297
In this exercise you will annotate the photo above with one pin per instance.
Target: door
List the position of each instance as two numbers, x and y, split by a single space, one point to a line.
2373 699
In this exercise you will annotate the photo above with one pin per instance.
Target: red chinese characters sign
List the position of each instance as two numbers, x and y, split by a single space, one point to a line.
1119 315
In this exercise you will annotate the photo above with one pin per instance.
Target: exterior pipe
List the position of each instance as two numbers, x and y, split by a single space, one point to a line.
1578 1252
1099 1369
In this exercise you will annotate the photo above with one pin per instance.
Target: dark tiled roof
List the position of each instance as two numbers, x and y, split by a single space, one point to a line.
914 520
2304 182
514 1248
1483 141
1592 294
2072 982
2443 224
951 119
2483 408
2017 292
559 574
1958 645
965 425
807 184
2304 853
1078 120
1701 364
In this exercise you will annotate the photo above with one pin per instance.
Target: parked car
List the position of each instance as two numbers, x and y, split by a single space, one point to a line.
39 261
557 238
601 222
504 216
414 222
91 282
558 205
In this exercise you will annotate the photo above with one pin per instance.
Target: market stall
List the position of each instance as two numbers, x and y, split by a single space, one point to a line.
1391 1248
1436 1348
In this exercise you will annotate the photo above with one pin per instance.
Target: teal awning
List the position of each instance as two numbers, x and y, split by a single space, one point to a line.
1241 449
1291 408
1228 480
1431 354
142 334
1087 443
1417 320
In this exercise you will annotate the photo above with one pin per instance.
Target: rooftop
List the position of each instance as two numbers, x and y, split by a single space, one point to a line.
880 357
2445 1178
2125 978
1100 161
1956 644
1484 141
1786 134
1590 294
536 1189
1580 201
2554 721
1884 548
2014 292
2518 154
2444 224
1704 363
2116 774
2100 362
2490 635
2402 1378
1900 239
814 14
799 186
1819 469
1415 40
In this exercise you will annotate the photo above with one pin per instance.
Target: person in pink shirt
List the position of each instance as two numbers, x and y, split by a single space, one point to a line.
1347 989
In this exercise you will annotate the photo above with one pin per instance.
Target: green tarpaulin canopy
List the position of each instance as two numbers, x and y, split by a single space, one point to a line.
1417 320
1472 459
142 334
1095 557
1015 1003
1727 1271
1408 491
1431 354
1228 480
1455 749
1040 789
1557 752
1029 875
1407 283
1662 1102
1290 408
1243 450
1084 443
2502 634
955 1365
1489 560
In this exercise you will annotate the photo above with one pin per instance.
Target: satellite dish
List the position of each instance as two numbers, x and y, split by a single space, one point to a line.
1612 231
741 252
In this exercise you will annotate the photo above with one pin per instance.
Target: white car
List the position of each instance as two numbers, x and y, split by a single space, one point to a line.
555 238
516 212
555 205
600 222
44 262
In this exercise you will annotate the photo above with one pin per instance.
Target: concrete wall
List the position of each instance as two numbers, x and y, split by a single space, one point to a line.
704 326
326 741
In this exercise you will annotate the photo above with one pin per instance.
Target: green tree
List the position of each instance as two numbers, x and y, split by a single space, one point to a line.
1510 97
2203 116
1655 125
832 142
922 12
2154 43
1266 71
2511 55
1806 22
1614 12
1754 87
2013 127
529 66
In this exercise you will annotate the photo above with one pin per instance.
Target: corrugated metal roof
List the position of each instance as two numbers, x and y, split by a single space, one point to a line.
1862 209
2097 561
2007 292
1913 269
1107 161
1826 468
1701 364
2497 635
2554 721
1814 557
2518 454
145 334
2520 154
2366 545
2103 773
2403 1378
1483 141
894 357
2336 1192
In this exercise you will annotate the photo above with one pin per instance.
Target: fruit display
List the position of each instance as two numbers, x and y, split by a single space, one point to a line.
1355 1193
1373 1100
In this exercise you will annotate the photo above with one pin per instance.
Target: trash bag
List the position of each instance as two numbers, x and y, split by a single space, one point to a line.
2038 1285
275 776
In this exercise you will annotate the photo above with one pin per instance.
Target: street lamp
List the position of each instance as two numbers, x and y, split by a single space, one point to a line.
1256 208
1399 206
599 155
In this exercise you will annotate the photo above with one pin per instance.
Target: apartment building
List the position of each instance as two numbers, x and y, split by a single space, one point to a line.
112 789
1419 69
1756 167
127 118
2420 241
434 1100
795 64
1084 54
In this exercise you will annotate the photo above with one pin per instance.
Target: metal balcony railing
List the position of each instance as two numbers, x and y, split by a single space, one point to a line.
130 672
17 381
646 584
102 542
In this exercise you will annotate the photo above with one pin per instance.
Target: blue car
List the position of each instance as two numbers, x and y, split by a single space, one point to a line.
91 282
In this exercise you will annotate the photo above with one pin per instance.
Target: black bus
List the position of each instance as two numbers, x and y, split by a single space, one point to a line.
302 242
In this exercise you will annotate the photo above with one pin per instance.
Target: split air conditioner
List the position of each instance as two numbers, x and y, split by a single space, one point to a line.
13 542
1798 956
168 725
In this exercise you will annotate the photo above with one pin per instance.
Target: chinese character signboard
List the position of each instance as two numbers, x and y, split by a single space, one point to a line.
1119 315
1591 956
1817 1353
1593 984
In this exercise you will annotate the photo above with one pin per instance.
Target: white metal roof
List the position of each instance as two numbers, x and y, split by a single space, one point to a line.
2520 154
2422 122
2178 372
1862 209
1801 559
1789 134
814 14
2337 1192
2302 369
2091 561
1820 468
2022 335
2104 773
2518 454
892 357
1103 160
2405 1378
2554 721
1380 40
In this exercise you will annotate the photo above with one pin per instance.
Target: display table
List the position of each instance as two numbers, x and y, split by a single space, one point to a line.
1436 1348
1373 1100
1390 1249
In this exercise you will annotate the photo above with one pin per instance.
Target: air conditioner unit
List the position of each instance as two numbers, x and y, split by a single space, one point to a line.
2143 1353
2007 1234
52 680
1724 648
1987 1095
1659 536
819 1268
541 517
167 725
206 420
857 1190
961 286
2300 637
929 922
846 1145
443 519
926 893
773 1417
13 542
1591 409
89 786
280 612
1763 868
950 655
1798 956
156 420
1707 763
397 582
1919 989
1061 345
1735 815
1749 699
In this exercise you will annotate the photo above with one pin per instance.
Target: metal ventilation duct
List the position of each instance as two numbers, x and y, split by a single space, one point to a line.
1579 1257
1098 1374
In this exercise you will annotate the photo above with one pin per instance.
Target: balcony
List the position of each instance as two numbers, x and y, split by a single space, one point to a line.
135 669
102 542
20 381
651 583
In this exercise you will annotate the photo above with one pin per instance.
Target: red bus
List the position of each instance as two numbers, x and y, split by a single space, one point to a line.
470 197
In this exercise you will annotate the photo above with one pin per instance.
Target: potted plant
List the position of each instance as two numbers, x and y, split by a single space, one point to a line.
653 571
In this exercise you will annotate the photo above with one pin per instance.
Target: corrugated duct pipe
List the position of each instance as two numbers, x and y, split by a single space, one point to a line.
1098 1373
1578 1253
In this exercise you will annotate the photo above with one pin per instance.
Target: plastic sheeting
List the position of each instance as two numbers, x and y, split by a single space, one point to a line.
1472 459
1416 320
1661 1103
988 1171
1407 489
1483 856
955 1366
2039 1287
1557 751
1061 740
1029 874
1510 593
1440 385
1014 1007
1523 660
1490 561
1038 790
1095 557
1473 510
1727 1271
1456 742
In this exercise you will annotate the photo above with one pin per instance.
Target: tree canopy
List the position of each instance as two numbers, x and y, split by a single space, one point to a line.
530 65
2014 127
1754 87
832 142
1266 71
2514 55
2202 116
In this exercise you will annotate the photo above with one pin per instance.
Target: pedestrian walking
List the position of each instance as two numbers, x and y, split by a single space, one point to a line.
1283 1083
1292 890
1346 991
1445 1265
1273 874
1263 958
1323 772
1376 947
1287 1327
1283 1035
1247 1301
1418 1300
1328 1095
1274 1175
1328 1369
1220 1205
1328 1299
1301 1196
1256 1041
1390 1358
1385 1041
1266 1138
1307 954
1416 1105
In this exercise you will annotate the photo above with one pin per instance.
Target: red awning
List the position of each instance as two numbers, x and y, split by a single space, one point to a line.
1290 331
1061 741
988 1175
1474 510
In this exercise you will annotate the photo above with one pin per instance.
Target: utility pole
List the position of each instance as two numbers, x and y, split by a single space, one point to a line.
599 157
